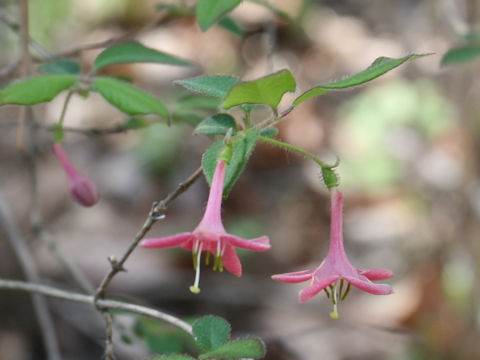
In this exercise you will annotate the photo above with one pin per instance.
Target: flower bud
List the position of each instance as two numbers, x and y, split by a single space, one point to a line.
82 189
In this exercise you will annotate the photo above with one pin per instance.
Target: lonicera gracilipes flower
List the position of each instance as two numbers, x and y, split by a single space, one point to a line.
210 236
83 190
336 269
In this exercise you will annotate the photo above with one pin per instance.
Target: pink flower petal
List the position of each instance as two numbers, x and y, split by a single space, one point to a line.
230 260
294 277
377 274
168 241
259 244
316 287
366 285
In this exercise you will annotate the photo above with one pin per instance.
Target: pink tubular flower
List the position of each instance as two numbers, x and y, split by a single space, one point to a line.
210 236
335 269
83 190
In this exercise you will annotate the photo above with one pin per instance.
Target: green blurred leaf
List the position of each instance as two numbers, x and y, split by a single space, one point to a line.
191 117
128 99
199 102
174 10
269 132
461 54
172 357
266 90
134 52
210 11
243 348
231 25
36 89
135 123
211 331
242 149
60 67
160 338
218 124
211 85
379 67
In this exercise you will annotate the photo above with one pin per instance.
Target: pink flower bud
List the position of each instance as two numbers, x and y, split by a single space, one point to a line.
83 190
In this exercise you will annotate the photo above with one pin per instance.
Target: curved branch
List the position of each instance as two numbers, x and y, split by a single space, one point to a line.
90 300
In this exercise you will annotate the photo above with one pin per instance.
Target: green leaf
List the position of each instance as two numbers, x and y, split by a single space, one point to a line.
211 331
60 67
135 123
172 357
269 132
242 149
231 25
36 89
198 102
213 85
174 10
218 124
266 90
134 52
210 11
128 99
379 67
461 54
243 348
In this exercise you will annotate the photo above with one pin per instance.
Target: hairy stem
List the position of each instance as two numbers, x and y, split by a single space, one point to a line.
296 149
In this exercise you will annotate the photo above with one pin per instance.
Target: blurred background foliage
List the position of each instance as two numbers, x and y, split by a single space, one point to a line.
408 144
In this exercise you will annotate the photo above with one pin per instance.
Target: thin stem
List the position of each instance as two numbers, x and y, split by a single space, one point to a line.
158 209
64 108
91 301
296 149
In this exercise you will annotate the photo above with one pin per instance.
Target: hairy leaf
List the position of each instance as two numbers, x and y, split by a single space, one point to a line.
211 85
243 348
379 67
218 124
242 149
266 90
36 89
211 331
127 98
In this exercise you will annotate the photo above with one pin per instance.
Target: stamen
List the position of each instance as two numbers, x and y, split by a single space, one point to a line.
326 291
194 288
207 258
346 292
341 287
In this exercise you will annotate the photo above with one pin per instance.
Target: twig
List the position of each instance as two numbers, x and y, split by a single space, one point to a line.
109 354
28 266
116 129
156 213
90 300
